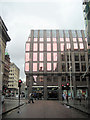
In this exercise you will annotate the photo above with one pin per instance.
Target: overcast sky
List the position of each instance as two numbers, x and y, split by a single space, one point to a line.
20 16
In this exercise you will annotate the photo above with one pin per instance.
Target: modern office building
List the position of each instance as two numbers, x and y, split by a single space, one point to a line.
54 58
13 78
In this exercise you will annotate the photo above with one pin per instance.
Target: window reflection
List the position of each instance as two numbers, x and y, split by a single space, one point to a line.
80 39
40 56
27 46
26 66
54 40
48 56
41 46
75 46
26 57
61 39
40 66
55 66
68 45
49 66
34 66
74 40
81 45
34 56
35 39
54 46
35 47
67 40
48 46
54 56
48 39
62 46
41 39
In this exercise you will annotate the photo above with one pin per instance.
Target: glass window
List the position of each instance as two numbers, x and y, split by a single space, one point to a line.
74 40
80 39
48 56
61 33
34 56
26 57
62 46
41 39
48 46
75 46
34 66
54 39
77 66
49 66
26 66
35 47
86 39
35 39
77 78
61 39
79 33
41 47
76 57
81 45
48 33
55 66
27 46
83 66
48 39
54 46
53 33
62 56
68 45
41 33
66 33
54 56
73 33
40 56
67 40
40 66
35 33
82 57
63 67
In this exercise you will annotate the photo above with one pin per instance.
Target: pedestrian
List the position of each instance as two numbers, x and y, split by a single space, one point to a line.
30 98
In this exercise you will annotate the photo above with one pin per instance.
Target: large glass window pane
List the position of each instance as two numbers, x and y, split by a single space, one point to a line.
77 67
82 57
76 57
40 56
26 57
34 66
35 39
73 33
74 40
35 47
48 46
48 39
83 66
27 46
54 56
49 66
41 33
61 39
54 39
66 33
79 33
55 66
35 33
81 45
54 46
34 56
41 39
68 45
80 39
26 66
67 40
41 47
40 66
48 56
75 46
62 46
61 33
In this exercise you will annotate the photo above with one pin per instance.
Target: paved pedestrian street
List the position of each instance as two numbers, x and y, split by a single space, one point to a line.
45 109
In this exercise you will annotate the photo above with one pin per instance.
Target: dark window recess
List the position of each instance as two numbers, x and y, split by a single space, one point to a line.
63 57
63 67
49 79
84 79
83 66
76 56
69 59
55 79
63 78
77 67
77 78
82 57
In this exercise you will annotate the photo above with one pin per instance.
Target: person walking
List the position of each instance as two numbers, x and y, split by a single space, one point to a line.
30 98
